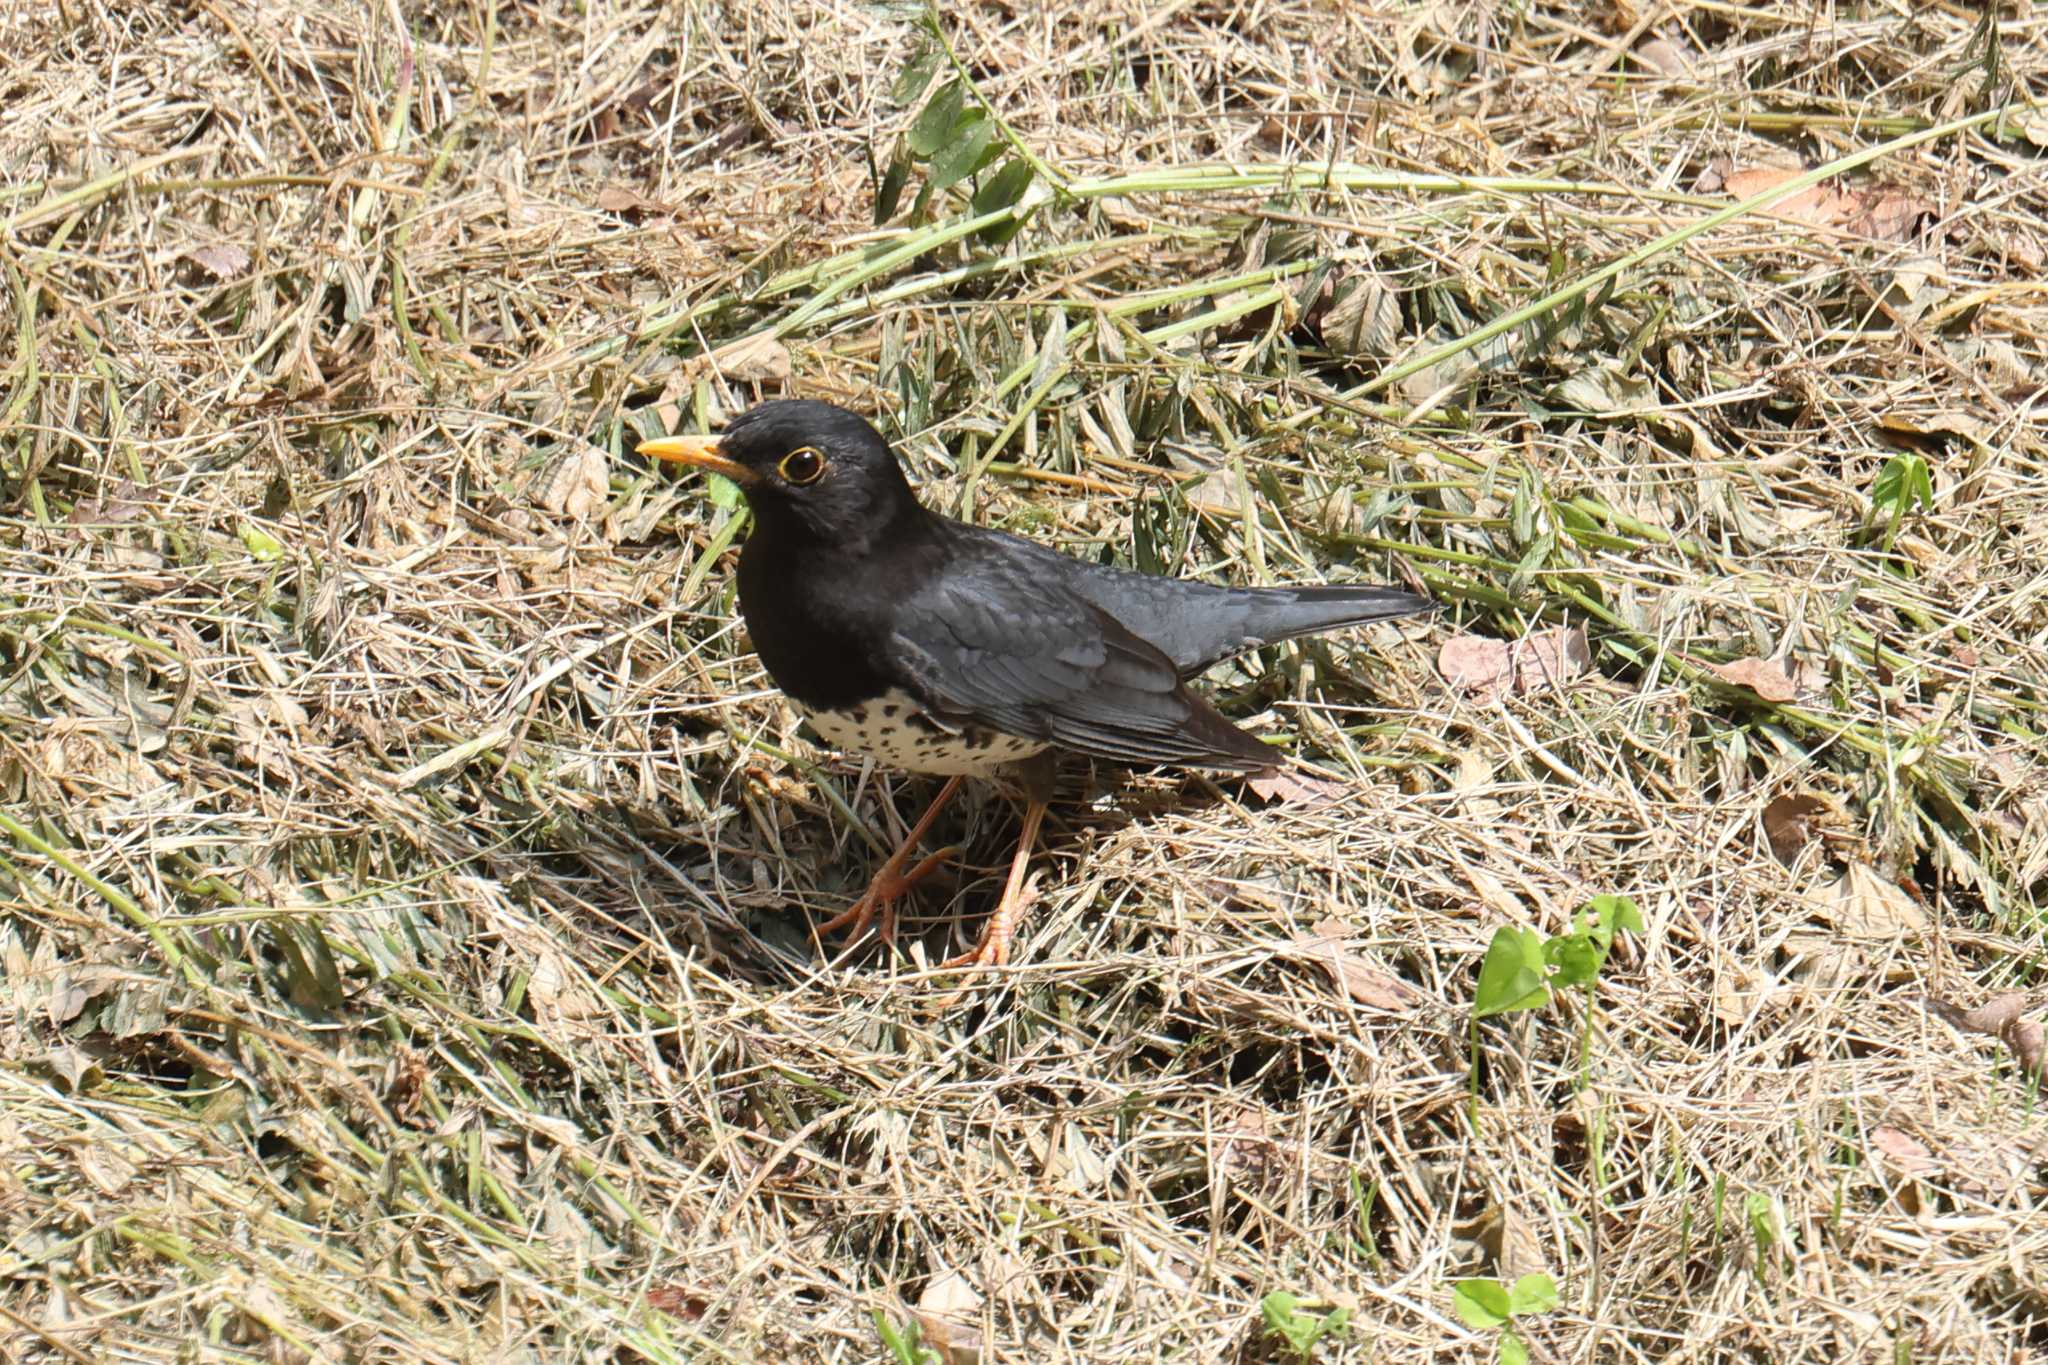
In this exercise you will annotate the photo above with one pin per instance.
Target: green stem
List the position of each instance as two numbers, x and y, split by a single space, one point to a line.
1039 166
1586 284
106 891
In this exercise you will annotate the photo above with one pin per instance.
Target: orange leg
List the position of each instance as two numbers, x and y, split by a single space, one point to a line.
879 904
994 948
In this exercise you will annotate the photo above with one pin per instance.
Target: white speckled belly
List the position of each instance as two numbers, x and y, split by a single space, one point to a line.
896 732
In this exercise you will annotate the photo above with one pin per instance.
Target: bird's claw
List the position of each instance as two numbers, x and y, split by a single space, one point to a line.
992 949
878 904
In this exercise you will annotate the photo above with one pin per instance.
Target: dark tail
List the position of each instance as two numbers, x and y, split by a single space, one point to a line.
1269 615
1283 613
1195 624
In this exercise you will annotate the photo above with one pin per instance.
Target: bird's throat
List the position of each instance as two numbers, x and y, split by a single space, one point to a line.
818 617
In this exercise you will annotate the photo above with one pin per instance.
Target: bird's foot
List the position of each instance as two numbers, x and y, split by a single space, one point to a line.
878 904
993 949
891 882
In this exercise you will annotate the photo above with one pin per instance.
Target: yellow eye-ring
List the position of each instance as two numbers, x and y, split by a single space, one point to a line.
801 466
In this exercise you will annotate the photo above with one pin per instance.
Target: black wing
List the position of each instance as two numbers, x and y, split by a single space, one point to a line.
991 642
1195 624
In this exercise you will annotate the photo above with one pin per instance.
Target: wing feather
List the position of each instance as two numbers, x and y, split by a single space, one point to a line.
1030 657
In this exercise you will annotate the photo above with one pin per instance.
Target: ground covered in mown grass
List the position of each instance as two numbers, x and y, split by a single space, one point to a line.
408 871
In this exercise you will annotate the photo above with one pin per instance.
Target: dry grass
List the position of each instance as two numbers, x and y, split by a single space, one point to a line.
408 869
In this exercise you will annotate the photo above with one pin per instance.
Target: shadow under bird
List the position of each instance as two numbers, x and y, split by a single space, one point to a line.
943 648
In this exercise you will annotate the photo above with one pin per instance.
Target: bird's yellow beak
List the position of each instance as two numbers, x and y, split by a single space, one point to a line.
701 451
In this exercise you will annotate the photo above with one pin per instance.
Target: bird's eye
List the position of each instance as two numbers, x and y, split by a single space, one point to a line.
802 465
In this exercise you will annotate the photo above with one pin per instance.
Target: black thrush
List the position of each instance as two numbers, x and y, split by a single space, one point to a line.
944 648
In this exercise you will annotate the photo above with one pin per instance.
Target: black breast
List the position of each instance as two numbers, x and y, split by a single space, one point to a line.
820 621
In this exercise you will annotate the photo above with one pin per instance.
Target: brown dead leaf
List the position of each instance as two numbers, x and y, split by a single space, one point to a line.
578 483
1243 1146
1880 212
1220 493
684 1301
138 1010
759 359
1824 961
1472 782
1799 520
1917 285
69 996
222 260
2031 124
2029 1043
556 993
2003 1017
267 729
1324 945
1998 361
1857 918
1751 181
1791 823
946 1316
1365 320
1887 215
1542 660
1663 56
1473 663
1903 1153
78 1068
1995 1014
1930 430
1475 773
1519 1249
1607 389
1862 904
1547 659
1067 1156
1295 788
1768 678
631 203
106 1166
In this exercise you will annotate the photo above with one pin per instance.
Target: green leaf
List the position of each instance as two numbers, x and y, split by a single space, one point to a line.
934 127
1512 1351
962 155
1511 977
1574 518
1903 480
1522 511
1003 189
1297 1329
1577 959
915 76
903 1344
1481 1303
1763 1221
1532 1294
260 543
311 975
1533 561
1613 914
890 192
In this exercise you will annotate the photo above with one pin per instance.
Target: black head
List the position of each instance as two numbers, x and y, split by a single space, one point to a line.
808 469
